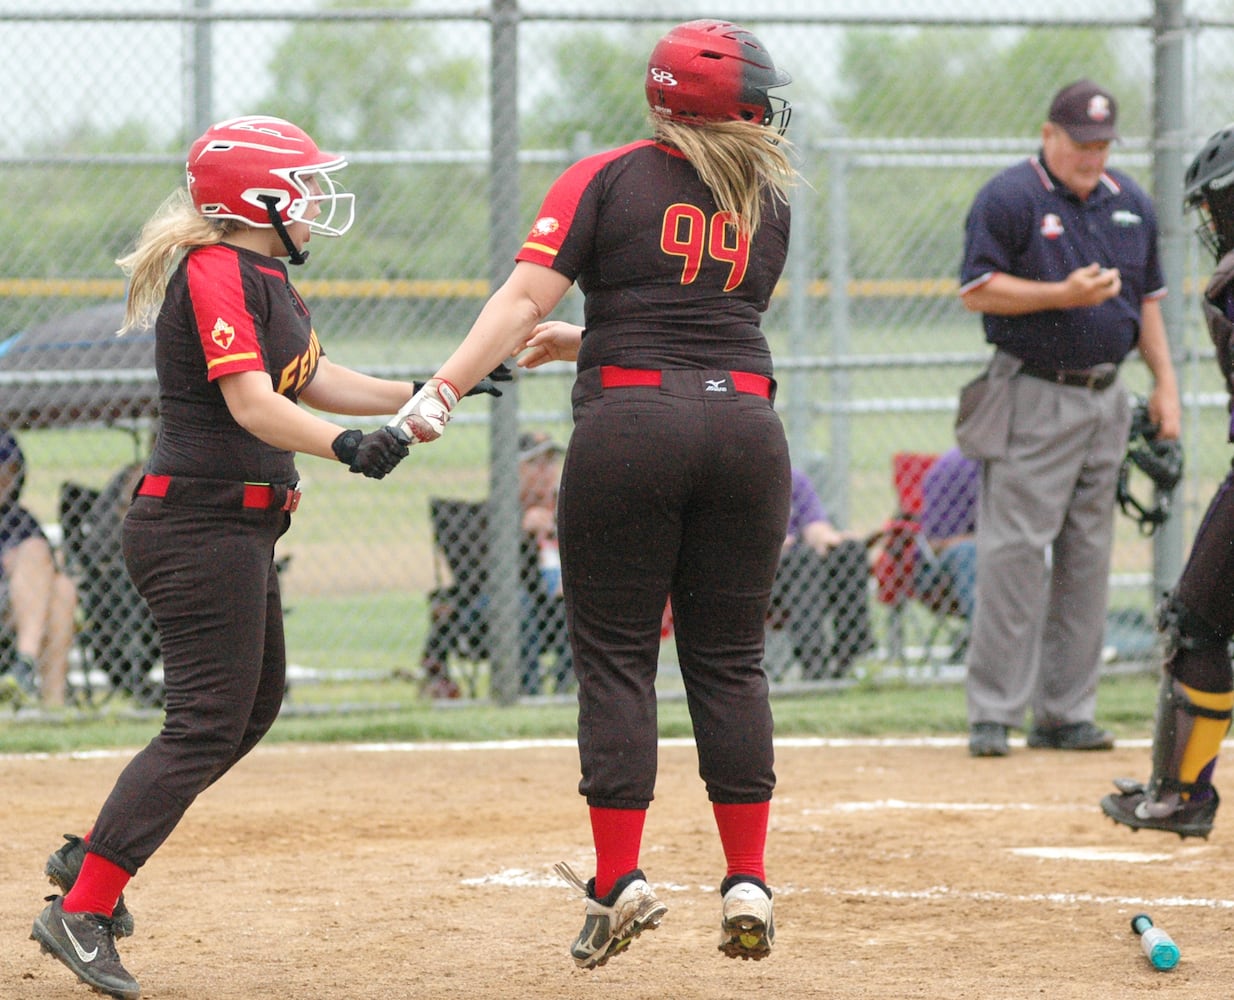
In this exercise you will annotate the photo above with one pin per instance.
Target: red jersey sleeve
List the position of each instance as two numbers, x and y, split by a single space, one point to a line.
557 211
220 309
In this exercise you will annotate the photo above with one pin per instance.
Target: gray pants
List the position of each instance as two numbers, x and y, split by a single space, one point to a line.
1045 530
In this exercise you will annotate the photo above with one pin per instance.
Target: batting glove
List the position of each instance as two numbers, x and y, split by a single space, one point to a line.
374 455
424 417
484 387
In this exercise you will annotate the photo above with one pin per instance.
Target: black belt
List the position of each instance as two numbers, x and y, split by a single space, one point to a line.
1096 379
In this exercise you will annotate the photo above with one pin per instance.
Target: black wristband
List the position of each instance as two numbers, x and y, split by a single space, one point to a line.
346 445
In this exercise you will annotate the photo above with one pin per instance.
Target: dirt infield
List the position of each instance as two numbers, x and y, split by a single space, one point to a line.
902 869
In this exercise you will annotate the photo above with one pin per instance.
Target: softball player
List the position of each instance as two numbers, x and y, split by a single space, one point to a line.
235 352
1197 688
676 479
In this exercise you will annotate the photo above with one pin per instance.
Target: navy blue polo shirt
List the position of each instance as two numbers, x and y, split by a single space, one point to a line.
1026 223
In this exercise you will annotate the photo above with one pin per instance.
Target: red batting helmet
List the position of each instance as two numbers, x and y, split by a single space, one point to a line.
714 71
256 167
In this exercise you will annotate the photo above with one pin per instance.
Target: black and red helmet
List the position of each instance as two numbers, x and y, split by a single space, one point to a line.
715 71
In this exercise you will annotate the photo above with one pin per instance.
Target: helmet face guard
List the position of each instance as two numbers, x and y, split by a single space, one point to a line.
1208 190
710 70
267 172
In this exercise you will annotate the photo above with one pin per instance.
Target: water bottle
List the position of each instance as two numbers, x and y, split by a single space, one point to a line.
1157 944
550 566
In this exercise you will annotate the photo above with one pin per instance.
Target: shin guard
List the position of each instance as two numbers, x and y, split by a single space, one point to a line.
1191 725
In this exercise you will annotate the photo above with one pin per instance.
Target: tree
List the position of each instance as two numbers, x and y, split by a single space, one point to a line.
970 82
384 84
593 84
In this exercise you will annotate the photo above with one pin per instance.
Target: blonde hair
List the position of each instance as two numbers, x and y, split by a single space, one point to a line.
175 228
737 160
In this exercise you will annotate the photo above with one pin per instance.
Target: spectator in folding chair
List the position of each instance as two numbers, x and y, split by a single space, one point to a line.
37 600
821 590
116 634
544 626
459 617
947 571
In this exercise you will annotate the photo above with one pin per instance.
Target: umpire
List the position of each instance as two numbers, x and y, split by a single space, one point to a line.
1061 259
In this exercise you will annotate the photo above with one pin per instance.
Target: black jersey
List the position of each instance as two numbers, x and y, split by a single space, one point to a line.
667 280
227 310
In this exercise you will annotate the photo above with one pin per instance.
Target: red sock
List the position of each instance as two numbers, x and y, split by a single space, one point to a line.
97 887
618 836
743 835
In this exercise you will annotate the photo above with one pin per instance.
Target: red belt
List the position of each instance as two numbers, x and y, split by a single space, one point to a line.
611 376
257 495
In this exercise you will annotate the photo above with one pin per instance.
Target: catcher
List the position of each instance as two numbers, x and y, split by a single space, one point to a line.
1197 618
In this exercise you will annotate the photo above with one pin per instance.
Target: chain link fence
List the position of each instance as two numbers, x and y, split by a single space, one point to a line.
455 117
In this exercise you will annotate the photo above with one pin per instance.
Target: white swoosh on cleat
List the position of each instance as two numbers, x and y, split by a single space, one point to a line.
85 956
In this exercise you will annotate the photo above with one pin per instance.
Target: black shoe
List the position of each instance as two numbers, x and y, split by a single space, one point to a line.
63 867
1133 807
988 739
86 944
1070 736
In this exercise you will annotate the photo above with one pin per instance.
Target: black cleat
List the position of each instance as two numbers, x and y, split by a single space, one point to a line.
86 944
1133 807
62 868
1070 736
988 739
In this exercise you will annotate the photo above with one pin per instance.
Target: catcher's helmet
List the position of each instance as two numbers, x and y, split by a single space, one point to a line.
1161 461
710 70
259 169
1209 190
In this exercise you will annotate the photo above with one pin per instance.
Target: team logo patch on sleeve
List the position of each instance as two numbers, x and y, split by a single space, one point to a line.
223 333
545 226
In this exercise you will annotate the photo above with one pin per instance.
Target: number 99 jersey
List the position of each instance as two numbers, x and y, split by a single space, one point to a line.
669 282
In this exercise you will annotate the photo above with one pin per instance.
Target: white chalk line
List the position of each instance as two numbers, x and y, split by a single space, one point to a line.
504 746
521 878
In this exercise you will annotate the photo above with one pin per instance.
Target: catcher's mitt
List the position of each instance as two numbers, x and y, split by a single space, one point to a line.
1161 461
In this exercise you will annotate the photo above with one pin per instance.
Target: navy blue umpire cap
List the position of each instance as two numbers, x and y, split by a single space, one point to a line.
1088 112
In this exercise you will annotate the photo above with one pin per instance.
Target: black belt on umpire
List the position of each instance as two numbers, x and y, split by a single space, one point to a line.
226 493
614 376
1101 377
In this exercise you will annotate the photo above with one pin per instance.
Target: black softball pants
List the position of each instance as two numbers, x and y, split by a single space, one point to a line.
209 578
678 490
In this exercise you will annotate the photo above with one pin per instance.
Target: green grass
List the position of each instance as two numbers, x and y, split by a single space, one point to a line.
870 708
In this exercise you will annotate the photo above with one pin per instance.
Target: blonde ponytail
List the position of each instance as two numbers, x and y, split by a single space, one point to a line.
175 228
737 160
